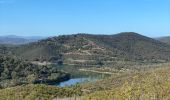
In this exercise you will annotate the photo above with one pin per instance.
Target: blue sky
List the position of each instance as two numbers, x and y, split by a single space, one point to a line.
56 17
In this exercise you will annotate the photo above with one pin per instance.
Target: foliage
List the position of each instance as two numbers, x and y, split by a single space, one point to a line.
38 92
16 72
95 50
121 54
154 84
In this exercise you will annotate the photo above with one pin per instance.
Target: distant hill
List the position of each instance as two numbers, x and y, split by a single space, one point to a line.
91 50
17 40
164 39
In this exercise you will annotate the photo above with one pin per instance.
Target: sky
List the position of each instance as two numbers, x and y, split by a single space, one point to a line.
58 17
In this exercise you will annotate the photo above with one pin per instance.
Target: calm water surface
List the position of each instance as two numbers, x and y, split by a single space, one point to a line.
75 80
79 76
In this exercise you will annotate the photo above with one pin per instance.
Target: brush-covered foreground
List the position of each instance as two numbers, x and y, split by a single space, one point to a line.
150 85
39 92
153 84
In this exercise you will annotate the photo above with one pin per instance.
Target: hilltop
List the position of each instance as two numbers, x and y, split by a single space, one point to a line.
92 50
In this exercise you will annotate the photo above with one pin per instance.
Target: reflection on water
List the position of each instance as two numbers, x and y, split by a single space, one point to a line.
75 80
78 76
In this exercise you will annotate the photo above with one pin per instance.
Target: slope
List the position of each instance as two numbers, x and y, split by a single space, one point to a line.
15 72
91 50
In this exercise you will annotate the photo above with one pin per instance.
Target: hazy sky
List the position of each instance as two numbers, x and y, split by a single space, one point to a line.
54 17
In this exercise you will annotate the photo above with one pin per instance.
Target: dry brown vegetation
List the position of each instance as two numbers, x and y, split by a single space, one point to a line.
149 85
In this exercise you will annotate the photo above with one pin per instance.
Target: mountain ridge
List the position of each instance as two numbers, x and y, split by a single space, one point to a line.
18 40
165 39
90 50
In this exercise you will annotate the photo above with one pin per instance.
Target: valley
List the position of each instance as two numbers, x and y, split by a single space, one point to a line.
84 49
85 66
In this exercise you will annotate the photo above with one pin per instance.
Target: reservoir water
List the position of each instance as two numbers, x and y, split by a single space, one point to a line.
78 76
76 80
73 81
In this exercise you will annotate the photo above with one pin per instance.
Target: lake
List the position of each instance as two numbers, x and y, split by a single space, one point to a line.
78 76
75 80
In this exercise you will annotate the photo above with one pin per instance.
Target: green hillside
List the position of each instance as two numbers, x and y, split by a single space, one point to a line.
15 72
95 50
147 84
136 64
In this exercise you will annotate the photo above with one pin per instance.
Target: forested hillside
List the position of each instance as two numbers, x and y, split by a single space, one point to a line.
95 50
147 84
14 72
138 66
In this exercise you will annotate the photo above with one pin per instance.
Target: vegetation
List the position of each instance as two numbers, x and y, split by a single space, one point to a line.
39 92
16 72
151 84
138 65
145 85
95 50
